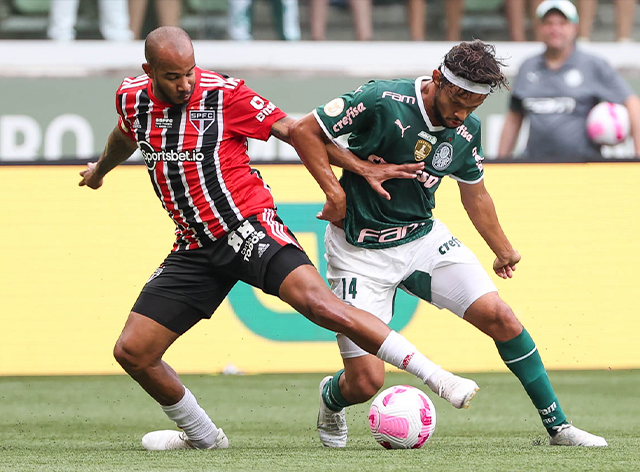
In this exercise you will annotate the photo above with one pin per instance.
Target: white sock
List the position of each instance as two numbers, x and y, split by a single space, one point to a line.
193 420
398 351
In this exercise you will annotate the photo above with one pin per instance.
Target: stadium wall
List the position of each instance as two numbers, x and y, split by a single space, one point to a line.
74 261
58 99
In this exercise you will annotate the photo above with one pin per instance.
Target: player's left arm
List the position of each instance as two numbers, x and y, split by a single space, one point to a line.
633 107
482 212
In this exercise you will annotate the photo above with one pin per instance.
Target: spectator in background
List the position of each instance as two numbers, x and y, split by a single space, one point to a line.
361 12
557 89
114 20
285 15
625 16
167 11
514 10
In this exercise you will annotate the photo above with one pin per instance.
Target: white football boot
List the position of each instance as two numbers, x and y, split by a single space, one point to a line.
168 439
332 425
456 390
569 435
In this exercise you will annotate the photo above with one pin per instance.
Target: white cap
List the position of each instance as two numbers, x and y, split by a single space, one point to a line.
565 7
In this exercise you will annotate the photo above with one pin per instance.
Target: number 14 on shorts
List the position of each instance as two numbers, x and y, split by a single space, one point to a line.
351 291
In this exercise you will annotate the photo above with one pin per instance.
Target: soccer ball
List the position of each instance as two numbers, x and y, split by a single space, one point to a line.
608 123
402 417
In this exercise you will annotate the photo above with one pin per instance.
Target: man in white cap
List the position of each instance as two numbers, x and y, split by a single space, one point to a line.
375 245
556 90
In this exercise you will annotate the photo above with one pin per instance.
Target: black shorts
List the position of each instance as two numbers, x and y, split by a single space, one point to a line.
189 285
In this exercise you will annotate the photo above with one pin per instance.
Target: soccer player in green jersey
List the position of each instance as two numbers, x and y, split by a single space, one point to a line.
376 245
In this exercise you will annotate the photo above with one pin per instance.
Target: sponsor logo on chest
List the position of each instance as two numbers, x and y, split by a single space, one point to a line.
463 132
152 157
398 97
164 123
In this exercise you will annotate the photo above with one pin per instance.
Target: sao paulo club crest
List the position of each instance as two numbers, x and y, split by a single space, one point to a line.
202 119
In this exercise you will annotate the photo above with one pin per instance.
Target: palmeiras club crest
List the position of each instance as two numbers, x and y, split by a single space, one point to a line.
202 119
443 156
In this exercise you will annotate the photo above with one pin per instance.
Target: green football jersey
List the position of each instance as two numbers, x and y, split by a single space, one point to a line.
387 118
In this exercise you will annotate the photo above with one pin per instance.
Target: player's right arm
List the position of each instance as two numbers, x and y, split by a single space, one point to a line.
318 153
314 135
309 140
117 150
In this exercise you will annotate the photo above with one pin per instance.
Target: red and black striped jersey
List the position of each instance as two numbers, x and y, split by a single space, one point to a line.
196 153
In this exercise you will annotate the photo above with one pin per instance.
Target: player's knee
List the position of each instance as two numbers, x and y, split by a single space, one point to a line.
366 387
130 358
504 323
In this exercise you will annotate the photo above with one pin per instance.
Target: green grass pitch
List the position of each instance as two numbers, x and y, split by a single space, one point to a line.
95 423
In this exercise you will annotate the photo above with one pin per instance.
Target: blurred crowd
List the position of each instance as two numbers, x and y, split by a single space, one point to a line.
292 20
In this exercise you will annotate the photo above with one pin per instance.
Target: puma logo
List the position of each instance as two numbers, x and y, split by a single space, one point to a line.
401 127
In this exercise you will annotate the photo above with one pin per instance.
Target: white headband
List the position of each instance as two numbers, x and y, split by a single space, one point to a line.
465 84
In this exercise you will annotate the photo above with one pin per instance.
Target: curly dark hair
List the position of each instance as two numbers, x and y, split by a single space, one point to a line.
476 61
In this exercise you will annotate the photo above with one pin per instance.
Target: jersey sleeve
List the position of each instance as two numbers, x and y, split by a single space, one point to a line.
515 103
124 122
472 170
248 114
348 112
613 87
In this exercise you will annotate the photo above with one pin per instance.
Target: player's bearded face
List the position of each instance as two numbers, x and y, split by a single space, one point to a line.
175 81
452 105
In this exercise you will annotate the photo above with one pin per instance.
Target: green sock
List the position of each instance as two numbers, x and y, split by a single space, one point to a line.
522 358
331 393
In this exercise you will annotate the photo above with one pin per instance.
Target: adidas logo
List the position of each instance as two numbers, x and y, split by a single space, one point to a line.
261 248
136 124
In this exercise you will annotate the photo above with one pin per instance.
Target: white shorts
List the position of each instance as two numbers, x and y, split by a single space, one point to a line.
437 268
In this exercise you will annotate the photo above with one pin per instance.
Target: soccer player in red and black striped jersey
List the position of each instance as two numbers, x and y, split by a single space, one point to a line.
191 126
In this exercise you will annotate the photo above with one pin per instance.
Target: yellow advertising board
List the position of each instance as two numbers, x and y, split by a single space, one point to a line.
74 260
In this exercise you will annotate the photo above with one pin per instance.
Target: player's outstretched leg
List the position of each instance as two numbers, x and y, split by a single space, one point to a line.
456 390
521 356
332 421
518 351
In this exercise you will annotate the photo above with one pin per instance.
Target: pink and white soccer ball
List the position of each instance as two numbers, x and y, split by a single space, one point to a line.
402 417
608 123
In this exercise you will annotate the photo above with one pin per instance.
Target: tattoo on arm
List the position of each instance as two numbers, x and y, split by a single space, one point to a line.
117 150
280 129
